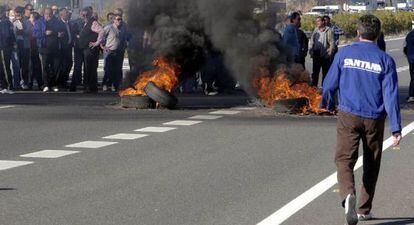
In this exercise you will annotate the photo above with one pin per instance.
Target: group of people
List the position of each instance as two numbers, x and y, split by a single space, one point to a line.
41 47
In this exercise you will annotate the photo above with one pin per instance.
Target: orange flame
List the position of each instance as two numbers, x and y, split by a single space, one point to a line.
272 88
164 77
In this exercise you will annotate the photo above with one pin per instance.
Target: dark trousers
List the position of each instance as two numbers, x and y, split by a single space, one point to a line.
318 63
24 59
65 65
114 62
350 130
411 90
5 72
35 68
77 68
50 65
91 57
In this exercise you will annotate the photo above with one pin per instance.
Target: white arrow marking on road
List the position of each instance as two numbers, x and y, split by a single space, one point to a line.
6 164
304 199
49 154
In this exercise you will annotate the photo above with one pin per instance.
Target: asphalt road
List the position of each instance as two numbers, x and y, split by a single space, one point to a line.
233 167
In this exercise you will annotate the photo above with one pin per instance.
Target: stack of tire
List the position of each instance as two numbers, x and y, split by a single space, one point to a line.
154 95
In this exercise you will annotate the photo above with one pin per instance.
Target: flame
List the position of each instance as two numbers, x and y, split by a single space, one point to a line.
164 77
272 88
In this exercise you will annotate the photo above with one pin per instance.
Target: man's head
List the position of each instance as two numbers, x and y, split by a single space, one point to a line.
295 19
48 14
28 9
369 27
119 11
64 14
18 12
3 11
110 17
55 9
86 13
327 20
118 20
319 22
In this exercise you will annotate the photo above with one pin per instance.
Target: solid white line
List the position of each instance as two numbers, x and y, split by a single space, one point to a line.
205 117
394 50
7 164
123 136
7 106
225 112
156 129
91 144
183 122
302 200
403 68
49 154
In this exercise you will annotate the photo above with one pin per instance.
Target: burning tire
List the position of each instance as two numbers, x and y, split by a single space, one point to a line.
294 105
138 102
163 97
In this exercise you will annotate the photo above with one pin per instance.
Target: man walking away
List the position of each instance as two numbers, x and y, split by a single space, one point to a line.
409 52
46 30
366 80
66 47
290 37
89 40
321 50
7 41
22 31
114 48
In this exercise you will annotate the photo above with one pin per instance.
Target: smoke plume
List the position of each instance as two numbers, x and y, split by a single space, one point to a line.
185 31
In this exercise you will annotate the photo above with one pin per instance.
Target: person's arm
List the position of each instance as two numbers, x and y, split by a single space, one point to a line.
331 85
97 28
391 97
311 44
331 42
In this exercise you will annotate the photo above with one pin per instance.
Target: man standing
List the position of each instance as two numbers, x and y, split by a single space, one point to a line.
290 37
321 50
7 41
409 52
89 42
303 46
336 31
46 30
77 26
65 48
23 31
366 79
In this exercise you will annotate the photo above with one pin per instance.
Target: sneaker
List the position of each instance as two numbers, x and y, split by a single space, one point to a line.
365 217
350 213
25 87
410 99
8 91
104 88
55 89
113 89
2 91
45 89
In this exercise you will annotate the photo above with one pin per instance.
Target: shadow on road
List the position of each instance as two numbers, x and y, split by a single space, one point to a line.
395 221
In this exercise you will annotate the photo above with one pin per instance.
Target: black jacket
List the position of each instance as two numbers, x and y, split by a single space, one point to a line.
7 38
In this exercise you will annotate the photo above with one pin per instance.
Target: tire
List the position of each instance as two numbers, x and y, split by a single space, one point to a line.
292 106
163 97
138 102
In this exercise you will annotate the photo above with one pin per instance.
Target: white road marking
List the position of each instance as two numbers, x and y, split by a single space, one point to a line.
302 200
245 108
183 122
7 164
225 112
394 50
91 144
7 106
205 117
123 136
156 129
403 68
49 154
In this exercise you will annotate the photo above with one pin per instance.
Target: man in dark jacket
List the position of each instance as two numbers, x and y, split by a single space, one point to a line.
409 52
77 26
7 42
65 48
47 32
367 84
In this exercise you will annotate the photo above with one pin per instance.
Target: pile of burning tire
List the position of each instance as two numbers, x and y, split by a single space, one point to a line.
156 97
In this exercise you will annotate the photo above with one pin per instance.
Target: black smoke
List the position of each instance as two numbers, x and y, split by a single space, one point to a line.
187 31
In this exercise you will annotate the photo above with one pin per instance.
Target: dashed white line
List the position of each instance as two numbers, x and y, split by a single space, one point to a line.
205 117
156 129
394 50
403 68
225 112
183 122
49 154
7 106
245 108
91 144
304 199
7 164
124 136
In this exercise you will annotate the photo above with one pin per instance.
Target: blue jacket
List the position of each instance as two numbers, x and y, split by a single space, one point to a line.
39 29
290 38
366 78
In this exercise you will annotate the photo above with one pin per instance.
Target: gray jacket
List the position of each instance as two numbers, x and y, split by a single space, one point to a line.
322 42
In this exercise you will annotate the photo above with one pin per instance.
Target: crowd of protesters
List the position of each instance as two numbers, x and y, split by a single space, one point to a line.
39 49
